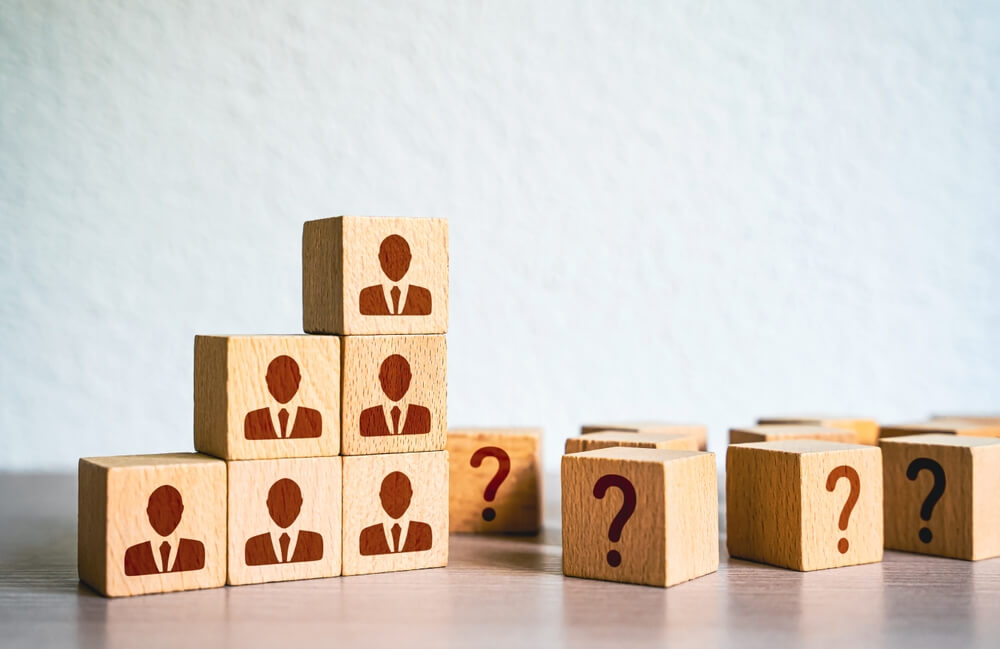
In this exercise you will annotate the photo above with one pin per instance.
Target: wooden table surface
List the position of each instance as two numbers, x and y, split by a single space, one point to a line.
495 592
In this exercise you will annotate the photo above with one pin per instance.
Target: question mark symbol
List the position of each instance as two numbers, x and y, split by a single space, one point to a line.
503 469
912 471
852 498
628 506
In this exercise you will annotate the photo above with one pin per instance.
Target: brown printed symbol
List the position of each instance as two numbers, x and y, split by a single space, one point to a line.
284 502
283 380
852 498
628 506
164 510
503 470
378 421
394 256
383 538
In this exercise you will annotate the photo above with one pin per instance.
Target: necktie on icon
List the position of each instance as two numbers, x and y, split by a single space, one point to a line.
396 531
283 541
165 555
395 412
283 422
395 293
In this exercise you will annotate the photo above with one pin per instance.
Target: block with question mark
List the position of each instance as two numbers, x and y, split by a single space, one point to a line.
804 504
495 480
698 431
776 432
940 495
641 516
866 430
607 439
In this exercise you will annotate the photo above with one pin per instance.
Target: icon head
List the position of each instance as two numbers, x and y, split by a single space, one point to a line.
394 255
284 502
394 375
395 494
283 378
164 509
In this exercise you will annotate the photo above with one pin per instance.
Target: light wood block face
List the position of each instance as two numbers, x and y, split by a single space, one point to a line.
979 419
267 397
641 516
608 439
395 512
151 523
495 480
773 433
698 431
866 430
804 504
386 376
942 427
941 495
365 275
284 519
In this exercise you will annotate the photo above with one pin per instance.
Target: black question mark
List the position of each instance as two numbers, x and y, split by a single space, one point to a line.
912 471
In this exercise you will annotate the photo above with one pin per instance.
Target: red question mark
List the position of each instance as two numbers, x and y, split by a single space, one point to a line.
628 506
503 460
852 498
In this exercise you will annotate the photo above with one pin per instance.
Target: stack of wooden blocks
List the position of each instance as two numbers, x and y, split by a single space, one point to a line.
319 455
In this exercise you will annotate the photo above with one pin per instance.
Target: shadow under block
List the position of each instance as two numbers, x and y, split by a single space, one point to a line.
865 429
242 385
502 463
383 373
773 433
608 439
135 511
284 519
698 431
671 534
373 275
395 512
942 427
786 503
963 520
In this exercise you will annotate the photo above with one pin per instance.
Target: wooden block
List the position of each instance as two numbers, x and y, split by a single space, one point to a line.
363 275
804 504
608 439
941 495
772 433
942 427
979 419
267 397
697 430
381 492
284 519
151 523
386 373
865 429
495 480
638 515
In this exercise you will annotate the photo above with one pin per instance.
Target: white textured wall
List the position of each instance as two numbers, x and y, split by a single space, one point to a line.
701 211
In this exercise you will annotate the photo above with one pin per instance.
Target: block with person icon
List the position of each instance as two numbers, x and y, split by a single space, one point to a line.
375 275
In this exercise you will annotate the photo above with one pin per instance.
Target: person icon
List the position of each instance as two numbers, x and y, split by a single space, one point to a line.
287 544
172 553
278 421
396 298
382 420
395 534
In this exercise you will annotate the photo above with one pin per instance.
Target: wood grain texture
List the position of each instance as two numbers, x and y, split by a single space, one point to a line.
259 487
776 432
370 359
608 439
697 430
965 521
779 510
341 258
866 430
517 503
232 392
670 537
116 515
373 496
942 427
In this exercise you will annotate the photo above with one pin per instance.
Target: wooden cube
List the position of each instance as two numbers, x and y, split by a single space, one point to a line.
866 430
395 512
977 418
394 394
773 433
266 397
942 427
284 519
608 439
697 430
495 480
638 515
941 495
151 523
804 504
363 275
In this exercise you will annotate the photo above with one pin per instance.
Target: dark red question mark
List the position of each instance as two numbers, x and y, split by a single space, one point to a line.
852 498
628 506
503 460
